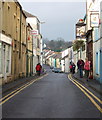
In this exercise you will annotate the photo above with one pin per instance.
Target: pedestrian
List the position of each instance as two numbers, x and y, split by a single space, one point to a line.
80 65
87 68
73 67
38 69
91 71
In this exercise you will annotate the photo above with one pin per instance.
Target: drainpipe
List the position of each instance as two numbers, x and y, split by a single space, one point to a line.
20 32
26 54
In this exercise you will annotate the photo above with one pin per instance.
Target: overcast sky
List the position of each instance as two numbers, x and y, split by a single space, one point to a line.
59 17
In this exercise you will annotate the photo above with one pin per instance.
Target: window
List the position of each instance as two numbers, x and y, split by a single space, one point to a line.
83 47
38 43
0 57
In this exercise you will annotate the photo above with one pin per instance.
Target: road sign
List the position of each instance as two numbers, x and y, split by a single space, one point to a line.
34 32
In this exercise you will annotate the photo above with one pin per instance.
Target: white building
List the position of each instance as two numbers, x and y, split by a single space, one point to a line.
65 61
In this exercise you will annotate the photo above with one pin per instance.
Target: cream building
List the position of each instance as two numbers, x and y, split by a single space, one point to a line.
13 42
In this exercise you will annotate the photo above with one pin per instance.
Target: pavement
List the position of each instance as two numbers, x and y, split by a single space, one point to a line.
17 83
92 83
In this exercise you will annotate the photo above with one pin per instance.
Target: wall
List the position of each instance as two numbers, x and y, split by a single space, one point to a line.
66 65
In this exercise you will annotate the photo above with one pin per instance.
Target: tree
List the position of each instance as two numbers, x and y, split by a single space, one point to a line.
77 44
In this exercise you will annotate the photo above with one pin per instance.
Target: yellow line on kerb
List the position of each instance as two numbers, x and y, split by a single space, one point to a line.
92 100
19 89
88 91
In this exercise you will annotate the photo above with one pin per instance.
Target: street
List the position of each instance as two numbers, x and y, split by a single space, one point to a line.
53 96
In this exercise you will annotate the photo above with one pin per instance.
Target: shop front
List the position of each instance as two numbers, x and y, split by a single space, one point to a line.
5 58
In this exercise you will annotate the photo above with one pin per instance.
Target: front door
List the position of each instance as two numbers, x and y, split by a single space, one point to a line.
4 61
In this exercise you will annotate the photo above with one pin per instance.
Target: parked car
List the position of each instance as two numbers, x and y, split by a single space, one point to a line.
51 67
56 70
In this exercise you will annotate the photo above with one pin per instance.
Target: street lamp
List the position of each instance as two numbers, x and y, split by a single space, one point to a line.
41 44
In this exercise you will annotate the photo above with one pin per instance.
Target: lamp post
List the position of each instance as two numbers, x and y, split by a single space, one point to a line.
41 44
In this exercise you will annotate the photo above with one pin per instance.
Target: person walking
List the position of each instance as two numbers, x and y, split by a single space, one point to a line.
38 69
80 65
87 68
70 66
73 68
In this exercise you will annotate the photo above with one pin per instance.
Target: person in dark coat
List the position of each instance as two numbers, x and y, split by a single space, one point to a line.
80 65
73 68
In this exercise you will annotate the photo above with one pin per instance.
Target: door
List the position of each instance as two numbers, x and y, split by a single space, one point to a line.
4 61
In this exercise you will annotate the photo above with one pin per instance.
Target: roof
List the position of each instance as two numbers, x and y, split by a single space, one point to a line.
28 14
57 55
65 57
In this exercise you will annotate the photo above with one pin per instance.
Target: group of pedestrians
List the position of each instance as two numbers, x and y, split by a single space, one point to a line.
82 67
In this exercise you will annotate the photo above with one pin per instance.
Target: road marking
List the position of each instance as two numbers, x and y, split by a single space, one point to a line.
14 91
88 91
91 99
19 89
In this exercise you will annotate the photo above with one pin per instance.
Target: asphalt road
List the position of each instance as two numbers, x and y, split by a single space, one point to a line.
54 96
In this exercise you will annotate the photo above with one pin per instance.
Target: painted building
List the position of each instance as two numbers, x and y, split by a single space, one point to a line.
37 43
89 33
58 59
101 42
64 61
81 36
95 33
29 50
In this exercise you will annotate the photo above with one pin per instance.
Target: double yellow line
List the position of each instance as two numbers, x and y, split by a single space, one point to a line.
87 93
13 93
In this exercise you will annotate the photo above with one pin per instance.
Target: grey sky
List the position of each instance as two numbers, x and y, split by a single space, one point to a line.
60 17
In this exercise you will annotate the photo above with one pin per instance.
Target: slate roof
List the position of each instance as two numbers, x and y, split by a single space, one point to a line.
28 14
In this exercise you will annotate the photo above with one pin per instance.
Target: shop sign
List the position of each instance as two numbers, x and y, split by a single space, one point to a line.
80 31
94 19
34 32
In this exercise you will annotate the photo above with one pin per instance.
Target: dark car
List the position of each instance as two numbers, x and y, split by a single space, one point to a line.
56 70
51 67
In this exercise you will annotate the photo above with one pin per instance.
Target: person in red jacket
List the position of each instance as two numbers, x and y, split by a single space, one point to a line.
38 69
87 68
